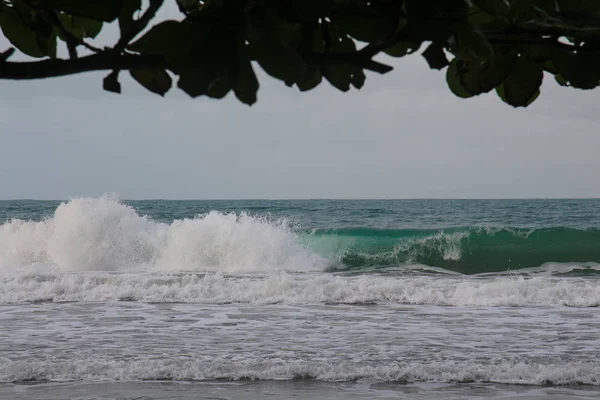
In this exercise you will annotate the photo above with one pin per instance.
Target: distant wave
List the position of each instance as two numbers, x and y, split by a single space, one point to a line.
511 371
103 234
463 250
297 289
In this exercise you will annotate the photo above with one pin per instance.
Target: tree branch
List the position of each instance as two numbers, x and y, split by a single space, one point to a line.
139 25
51 68
70 40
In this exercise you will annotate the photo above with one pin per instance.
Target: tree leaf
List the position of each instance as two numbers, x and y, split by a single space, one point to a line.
154 79
367 29
434 20
500 91
111 83
435 56
453 80
205 63
23 36
219 88
160 39
128 8
245 84
313 79
581 70
342 76
80 27
472 43
479 77
311 10
561 80
401 49
358 78
278 60
526 10
497 8
101 10
478 17
522 85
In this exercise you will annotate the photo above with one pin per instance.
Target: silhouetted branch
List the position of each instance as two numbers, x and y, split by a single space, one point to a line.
139 25
50 68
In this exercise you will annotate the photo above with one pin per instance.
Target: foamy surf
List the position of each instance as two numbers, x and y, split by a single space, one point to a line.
103 234
295 289
498 371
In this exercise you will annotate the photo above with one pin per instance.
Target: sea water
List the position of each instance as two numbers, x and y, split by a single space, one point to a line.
109 299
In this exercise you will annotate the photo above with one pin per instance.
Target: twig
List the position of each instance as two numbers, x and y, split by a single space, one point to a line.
70 39
6 54
138 26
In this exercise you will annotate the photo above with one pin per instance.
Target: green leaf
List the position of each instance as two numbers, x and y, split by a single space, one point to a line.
278 60
205 63
434 20
561 80
367 29
188 5
111 83
500 91
541 52
245 84
342 76
128 8
313 79
453 80
581 70
80 27
478 17
526 10
435 56
154 79
161 37
472 43
497 8
160 40
481 77
358 78
23 36
102 10
219 88
522 85
401 49
311 10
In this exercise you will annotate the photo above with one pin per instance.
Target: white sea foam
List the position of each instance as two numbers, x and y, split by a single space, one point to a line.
499 371
284 288
105 235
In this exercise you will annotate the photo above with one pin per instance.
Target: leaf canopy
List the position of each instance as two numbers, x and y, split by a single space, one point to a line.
214 48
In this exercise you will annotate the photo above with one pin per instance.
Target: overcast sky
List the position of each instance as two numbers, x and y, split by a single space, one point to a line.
404 135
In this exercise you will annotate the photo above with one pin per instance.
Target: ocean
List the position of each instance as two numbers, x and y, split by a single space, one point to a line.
331 299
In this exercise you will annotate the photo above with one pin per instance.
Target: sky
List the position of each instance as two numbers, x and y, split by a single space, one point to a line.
403 135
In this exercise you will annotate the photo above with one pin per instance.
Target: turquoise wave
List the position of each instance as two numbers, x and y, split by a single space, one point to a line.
463 250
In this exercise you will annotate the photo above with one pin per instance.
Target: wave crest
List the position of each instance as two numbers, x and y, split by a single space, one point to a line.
103 234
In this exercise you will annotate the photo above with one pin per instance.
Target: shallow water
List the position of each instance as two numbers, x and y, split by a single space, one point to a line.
287 390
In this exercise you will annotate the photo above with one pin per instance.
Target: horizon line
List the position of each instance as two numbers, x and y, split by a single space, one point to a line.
314 199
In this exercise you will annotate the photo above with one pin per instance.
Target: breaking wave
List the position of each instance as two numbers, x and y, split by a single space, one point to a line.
104 234
498 371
